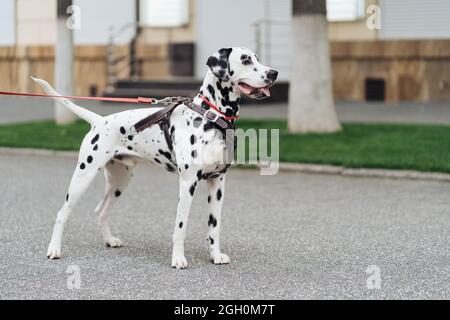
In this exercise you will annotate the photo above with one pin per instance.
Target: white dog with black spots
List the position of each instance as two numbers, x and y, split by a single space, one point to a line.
197 151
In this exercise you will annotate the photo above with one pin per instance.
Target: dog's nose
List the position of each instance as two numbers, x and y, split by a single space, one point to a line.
272 75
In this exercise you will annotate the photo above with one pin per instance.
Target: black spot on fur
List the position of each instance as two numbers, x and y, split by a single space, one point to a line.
130 148
193 139
122 130
170 167
212 240
186 166
95 147
194 153
197 122
209 199
130 137
199 174
95 139
117 193
157 160
212 92
212 62
67 197
165 154
82 166
192 189
208 126
219 194
212 221
89 159
180 225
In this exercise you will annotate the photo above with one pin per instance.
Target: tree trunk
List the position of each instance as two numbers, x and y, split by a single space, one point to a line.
64 81
311 104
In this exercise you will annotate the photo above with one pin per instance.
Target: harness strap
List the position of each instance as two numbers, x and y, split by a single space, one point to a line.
161 114
162 117
211 116
155 117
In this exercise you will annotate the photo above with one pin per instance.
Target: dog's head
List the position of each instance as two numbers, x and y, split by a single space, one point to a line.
242 67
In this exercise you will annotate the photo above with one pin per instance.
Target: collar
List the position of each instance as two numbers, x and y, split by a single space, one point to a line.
212 106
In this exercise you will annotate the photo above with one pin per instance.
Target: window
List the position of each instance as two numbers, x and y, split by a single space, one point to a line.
375 89
164 13
345 10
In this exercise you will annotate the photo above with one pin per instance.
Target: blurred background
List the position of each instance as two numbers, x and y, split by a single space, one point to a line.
363 91
159 47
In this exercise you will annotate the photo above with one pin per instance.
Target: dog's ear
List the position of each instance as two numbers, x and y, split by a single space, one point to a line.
219 63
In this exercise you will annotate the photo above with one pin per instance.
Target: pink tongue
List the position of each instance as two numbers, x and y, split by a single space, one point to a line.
245 89
266 91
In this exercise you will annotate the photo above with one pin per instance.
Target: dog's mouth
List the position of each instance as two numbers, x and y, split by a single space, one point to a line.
259 93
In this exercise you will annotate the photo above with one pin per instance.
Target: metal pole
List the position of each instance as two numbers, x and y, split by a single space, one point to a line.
64 81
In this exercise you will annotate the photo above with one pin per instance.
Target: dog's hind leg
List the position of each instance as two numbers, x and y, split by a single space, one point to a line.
215 200
117 177
89 163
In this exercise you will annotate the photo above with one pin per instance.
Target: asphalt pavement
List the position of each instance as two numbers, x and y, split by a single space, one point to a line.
291 235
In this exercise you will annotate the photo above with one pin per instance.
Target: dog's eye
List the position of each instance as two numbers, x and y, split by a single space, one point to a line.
246 60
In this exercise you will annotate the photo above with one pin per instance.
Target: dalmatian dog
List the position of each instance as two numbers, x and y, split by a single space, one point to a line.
196 152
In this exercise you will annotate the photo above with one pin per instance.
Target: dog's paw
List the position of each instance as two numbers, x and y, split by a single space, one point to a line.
179 262
221 258
54 251
113 242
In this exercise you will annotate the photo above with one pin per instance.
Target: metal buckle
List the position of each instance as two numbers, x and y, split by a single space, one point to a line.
211 116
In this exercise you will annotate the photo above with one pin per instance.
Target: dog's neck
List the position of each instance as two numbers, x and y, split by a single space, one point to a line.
224 95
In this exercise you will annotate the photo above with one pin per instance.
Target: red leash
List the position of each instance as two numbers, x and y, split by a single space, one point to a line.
127 100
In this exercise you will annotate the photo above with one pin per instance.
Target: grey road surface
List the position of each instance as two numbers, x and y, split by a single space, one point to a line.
17 109
290 235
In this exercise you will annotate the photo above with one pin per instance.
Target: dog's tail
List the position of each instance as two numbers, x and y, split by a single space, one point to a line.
87 115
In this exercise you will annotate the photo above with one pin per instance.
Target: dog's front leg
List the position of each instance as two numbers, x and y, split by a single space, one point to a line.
186 193
216 187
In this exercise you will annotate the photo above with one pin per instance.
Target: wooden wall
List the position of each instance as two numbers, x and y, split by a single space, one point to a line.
412 70
17 64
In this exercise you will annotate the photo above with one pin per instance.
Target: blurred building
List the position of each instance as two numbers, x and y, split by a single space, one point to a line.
159 47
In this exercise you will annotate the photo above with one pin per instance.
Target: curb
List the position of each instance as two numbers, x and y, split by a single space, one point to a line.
363 172
37 152
283 166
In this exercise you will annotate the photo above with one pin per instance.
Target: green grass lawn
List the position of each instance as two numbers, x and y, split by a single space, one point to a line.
394 146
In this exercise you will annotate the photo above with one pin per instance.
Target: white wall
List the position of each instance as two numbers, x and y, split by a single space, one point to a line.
7 23
229 24
36 21
97 17
415 19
